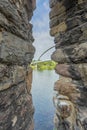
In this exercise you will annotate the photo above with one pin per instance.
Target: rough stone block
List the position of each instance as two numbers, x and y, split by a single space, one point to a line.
20 30
29 80
70 37
61 7
68 70
11 75
82 69
16 110
73 54
57 20
14 50
52 3
59 28
56 11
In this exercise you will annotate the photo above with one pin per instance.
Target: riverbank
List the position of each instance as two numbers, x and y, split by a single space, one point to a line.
43 65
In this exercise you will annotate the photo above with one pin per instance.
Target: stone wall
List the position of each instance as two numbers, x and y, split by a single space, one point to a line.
16 53
68 25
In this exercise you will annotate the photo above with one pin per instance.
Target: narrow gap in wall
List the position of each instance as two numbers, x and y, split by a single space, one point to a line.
43 77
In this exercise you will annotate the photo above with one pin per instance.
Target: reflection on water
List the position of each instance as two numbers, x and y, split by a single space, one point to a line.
42 91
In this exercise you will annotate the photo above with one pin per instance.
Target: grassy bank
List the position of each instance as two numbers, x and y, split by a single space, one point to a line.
43 65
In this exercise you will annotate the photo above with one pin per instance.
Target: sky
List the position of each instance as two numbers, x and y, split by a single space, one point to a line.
40 21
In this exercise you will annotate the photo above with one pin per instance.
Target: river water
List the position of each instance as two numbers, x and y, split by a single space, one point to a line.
42 92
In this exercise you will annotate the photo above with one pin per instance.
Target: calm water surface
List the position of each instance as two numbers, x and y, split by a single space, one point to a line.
42 91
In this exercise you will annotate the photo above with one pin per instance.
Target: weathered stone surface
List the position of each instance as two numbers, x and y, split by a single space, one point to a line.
17 71
59 56
66 113
82 69
73 17
60 28
74 71
14 50
68 88
74 54
29 79
71 55
68 71
61 6
16 108
18 30
53 2
16 53
13 18
12 75
57 20
56 11
77 35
